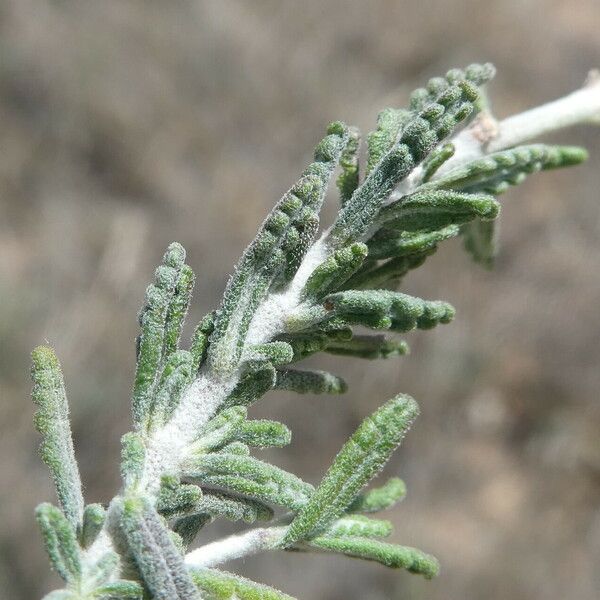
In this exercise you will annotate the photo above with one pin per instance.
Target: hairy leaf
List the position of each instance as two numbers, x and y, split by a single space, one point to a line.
52 421
360 459
220 585
390 555
60 541
158 561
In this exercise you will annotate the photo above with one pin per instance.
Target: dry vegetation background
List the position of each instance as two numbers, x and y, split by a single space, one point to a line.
128 124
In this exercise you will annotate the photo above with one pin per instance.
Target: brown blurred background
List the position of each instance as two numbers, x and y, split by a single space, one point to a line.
129 124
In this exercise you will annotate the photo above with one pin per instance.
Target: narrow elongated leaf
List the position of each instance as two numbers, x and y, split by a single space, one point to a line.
436 159
277 353
379 498
360 459
258 380
61 542
380 141
178 308
177 499
52 421
220 585
419 136
476 74
200 340
119 590
384 309
432 210
276 252
177 374
387 274
388 243
188 527
248 476
480 241
161 320
348 179
93 520
390 555
495 172
133 452
359 525
368 346
158 561
234 508
262 433
310 382
335 271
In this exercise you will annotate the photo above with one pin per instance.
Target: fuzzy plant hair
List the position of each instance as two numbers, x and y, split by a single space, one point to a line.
432 171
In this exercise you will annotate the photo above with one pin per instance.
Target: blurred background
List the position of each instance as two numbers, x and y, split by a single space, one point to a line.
128 124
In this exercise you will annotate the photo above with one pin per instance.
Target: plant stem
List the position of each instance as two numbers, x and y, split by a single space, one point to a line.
486 134
236 546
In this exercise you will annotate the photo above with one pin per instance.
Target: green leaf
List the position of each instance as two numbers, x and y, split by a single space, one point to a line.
476 74
379 498
360 459
248 476
158 561
178 308
276 252
347 181
94 516
220 585
494 173
133 453
435 209
335 271
61 543
390 555
436 159
177 373
307 343
52 421
388 243
388 273
200 340
277 353
262 433
480 241
368 346
310 382
359 525
255 383
161 319
384 309
188 527
119 590
419 136
233 508
380 141
177 499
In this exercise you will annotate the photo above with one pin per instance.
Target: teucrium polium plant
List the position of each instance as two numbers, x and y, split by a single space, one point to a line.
432 171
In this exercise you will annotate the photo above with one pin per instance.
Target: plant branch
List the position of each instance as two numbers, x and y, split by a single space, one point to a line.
236 546
486 135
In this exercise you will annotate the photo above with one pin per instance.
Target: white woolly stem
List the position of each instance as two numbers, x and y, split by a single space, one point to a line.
582 106
486 135
236 546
